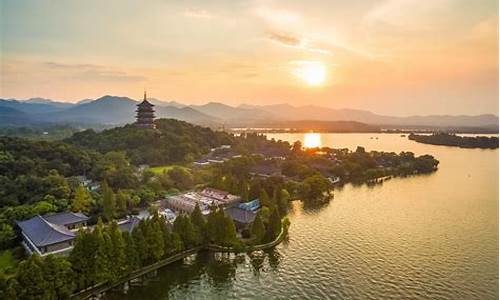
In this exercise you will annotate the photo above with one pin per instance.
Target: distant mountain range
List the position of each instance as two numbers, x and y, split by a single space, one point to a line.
119 110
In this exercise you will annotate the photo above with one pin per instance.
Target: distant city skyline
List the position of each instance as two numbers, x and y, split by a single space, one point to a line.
394 57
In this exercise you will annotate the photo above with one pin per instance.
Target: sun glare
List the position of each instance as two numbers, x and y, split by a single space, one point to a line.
312 73
312 140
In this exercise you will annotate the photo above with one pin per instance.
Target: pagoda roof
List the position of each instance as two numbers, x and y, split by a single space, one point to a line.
145 103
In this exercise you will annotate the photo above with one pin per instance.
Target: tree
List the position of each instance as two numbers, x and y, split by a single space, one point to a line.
181 177
117 252
274 226
154 238
200 225
264 198
82 258
122 200
282 202
7 235
58 276
31 280
82 200
140 243
258 229
314 188
101 263
131 255
186 231
108 201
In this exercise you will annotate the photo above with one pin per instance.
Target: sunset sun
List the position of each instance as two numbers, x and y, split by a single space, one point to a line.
312 73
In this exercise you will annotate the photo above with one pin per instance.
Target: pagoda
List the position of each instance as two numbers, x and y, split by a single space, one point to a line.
145 114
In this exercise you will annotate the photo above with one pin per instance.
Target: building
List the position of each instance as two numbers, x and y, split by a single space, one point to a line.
186 202
242 218
51 234
145 114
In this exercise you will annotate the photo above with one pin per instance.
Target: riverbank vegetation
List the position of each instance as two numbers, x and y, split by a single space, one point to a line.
446 139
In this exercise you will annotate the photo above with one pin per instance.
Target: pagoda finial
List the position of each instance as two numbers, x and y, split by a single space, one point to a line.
144 94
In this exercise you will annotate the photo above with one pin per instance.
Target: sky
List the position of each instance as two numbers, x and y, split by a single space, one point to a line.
397 57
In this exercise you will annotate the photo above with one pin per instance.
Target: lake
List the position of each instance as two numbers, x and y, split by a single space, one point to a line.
423 237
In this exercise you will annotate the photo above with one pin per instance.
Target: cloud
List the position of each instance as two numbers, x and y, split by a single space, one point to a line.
295 41
285 38
197 13
89 72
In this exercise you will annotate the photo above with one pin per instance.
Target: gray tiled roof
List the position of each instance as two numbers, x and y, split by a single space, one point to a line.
65 218
129 224
241 215
43 233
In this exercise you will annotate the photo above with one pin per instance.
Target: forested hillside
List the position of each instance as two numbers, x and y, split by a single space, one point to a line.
173 141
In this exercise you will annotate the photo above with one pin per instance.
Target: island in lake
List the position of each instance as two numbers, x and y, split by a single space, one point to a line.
447 139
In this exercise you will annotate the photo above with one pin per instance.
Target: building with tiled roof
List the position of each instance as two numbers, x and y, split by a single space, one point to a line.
51 234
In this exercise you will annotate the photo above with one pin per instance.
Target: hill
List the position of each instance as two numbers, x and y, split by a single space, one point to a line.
173 141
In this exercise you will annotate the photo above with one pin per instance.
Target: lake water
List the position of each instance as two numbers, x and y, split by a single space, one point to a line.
424 237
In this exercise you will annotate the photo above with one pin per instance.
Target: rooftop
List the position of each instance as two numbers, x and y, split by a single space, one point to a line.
65 218
240 215
43 233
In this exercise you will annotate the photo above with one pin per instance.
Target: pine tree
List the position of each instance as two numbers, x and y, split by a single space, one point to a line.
186 231
200 225
244 191
58 275
131 255
108 201
82 259
117 252
30 278
155 239
82 200
211 225
101 263
140 244
229 232
264 198
274 226
258 229
121 202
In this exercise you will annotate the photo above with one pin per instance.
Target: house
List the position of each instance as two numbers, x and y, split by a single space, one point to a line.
51 234
242 218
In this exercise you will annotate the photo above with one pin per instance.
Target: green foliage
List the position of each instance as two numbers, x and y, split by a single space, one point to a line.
108 201
116 254
82 259
47 278
186 231
82 200
200 225
7 235
315 189
174 141
274 226
220 228
181 178
258 229
58 276
32 169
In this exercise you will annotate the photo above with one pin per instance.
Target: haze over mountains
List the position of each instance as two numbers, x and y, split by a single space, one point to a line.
120 110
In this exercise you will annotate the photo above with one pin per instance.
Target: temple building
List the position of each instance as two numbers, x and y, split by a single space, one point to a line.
52 233
145 114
